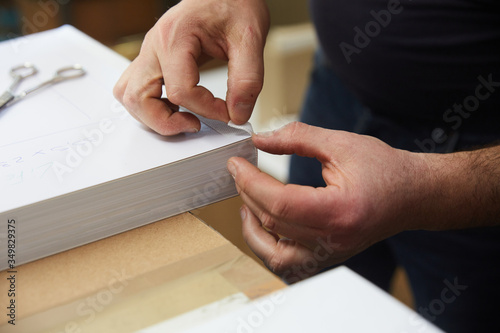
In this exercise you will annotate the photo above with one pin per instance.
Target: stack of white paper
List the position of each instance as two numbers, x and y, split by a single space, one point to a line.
76 167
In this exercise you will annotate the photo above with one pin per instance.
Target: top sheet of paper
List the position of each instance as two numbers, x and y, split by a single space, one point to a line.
75 134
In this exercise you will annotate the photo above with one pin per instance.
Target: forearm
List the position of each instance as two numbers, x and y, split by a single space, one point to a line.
460 190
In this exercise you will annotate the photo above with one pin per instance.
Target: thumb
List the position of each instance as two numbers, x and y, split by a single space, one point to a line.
245 80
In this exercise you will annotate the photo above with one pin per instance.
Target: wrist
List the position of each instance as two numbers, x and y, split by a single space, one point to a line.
454 191
437 182
417 191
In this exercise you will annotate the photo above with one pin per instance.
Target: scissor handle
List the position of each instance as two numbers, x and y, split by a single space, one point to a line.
23 71
69 72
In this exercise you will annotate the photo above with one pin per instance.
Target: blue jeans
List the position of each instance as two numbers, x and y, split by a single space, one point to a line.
454 275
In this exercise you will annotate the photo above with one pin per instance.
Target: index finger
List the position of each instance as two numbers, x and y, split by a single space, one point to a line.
290 210
181 76
140 89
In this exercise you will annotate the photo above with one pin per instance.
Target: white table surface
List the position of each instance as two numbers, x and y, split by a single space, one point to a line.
335 301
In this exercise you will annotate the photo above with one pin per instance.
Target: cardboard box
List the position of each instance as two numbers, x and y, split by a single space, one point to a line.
130 281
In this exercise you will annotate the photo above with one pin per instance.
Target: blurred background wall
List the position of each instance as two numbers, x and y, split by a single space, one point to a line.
109 21
122 24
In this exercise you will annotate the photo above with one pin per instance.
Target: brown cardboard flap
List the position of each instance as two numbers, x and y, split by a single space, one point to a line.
132 280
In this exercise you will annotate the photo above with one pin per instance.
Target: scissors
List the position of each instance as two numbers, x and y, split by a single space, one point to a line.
19 73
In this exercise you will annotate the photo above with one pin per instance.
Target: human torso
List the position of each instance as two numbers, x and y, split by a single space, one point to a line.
415 57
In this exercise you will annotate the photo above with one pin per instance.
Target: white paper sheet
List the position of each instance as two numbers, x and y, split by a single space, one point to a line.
75 134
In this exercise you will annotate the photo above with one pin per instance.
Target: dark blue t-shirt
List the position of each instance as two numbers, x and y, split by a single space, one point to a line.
428 59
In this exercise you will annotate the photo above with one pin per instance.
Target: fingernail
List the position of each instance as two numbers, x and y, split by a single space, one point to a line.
192 130
231 168
245 108
243 213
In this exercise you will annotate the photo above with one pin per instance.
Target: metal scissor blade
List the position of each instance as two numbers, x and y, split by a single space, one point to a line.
5 99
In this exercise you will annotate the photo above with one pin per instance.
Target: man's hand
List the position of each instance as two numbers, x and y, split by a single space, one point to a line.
319 227
188 35
373 191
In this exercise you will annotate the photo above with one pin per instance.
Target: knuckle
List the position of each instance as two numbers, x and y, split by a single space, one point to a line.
175 94
276 263
280 208
294 128
249 89
148 39
118 90
252 85
129 99
268 221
